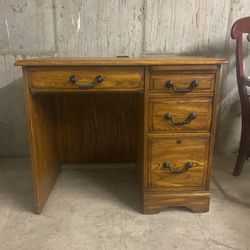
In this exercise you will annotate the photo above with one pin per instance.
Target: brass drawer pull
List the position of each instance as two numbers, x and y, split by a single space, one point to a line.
74 79
186 167
193 85
190 117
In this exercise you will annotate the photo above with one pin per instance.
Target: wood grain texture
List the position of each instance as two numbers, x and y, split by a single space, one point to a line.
180 109
165 189
126 127
154 202
205 82
98 128
143 133
178 150
114 79
213 125
182 69
45 157
114 61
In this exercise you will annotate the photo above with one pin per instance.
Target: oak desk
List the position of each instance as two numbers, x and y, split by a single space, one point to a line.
158 112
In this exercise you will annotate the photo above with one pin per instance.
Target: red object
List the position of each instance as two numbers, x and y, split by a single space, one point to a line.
240 27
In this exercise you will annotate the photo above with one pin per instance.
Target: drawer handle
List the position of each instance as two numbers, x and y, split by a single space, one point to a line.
190 117
74 79
172 170
193 85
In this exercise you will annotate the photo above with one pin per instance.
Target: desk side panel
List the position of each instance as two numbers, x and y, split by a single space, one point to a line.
45 157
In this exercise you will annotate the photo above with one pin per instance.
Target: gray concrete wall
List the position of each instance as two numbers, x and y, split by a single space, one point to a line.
39 28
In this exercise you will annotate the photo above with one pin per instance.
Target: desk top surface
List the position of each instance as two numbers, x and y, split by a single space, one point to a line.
119 61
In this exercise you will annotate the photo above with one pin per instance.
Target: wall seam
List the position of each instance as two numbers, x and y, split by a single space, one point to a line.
56 46
143 27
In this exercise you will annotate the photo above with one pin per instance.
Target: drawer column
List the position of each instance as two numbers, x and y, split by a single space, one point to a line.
180 107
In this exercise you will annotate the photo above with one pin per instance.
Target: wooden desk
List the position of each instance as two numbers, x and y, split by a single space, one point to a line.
158 112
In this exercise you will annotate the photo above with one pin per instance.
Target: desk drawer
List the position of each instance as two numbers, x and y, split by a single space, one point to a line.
178 161
179 84
86 79
175 114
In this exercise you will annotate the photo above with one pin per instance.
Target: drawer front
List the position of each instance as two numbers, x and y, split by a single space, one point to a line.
178 162
87 79
179 84
177 114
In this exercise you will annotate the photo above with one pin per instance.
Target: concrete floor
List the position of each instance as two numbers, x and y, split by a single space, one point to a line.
97 209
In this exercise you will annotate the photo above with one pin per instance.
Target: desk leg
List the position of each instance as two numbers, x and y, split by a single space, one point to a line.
42 126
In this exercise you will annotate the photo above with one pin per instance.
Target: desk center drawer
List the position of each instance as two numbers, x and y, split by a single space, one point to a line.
86 79
175 114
